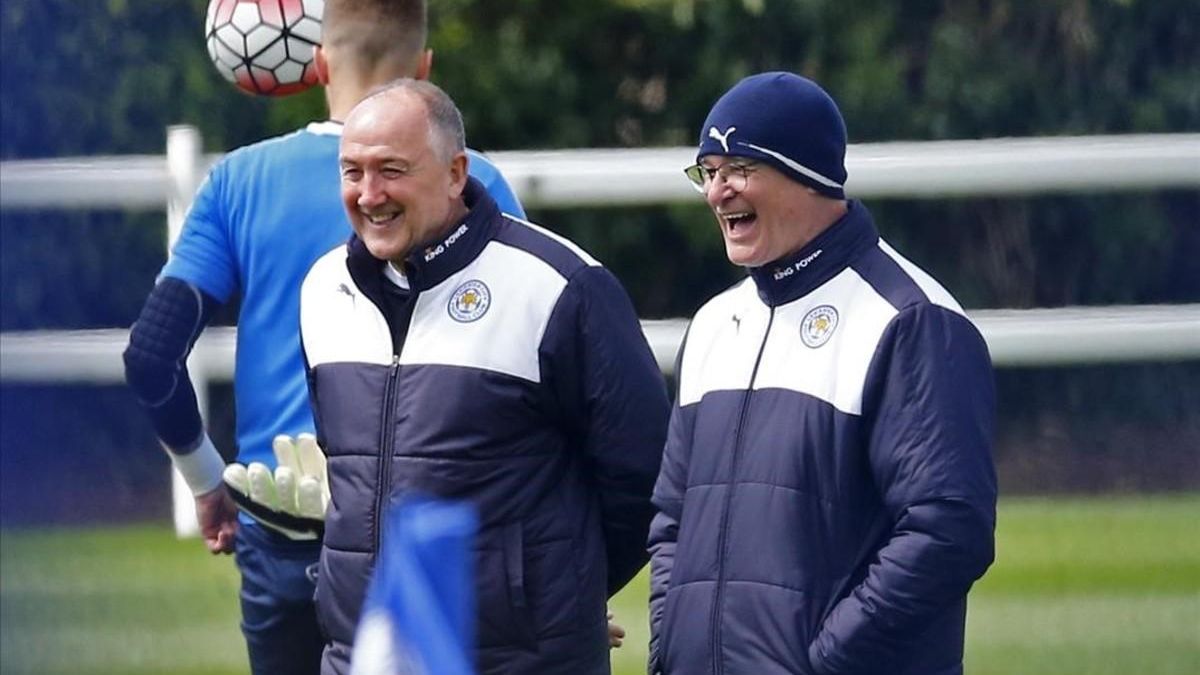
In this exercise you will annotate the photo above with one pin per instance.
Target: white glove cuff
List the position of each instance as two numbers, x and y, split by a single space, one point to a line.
201 468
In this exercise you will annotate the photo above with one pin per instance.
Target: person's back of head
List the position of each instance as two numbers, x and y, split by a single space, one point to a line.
366 43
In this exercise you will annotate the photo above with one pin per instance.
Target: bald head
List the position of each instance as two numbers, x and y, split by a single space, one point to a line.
447 135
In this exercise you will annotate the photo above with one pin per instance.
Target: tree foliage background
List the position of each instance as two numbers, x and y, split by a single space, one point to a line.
107 77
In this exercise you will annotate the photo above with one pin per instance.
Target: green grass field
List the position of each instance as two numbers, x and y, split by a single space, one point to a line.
1081 586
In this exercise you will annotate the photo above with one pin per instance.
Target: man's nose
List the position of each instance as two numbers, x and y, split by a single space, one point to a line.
370 191
718 190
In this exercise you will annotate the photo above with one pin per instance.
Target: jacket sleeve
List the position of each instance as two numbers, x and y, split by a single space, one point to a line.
929 408
664 529
614 399
668 504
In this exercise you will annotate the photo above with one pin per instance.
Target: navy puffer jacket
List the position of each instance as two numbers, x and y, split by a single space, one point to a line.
519 381
827 495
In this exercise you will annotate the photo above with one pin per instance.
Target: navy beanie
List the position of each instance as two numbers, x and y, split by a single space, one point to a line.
786 121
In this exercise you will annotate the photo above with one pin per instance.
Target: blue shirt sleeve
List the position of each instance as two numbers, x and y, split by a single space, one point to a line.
204 255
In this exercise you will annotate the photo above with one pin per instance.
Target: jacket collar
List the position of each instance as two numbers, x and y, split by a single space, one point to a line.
431 264
796 275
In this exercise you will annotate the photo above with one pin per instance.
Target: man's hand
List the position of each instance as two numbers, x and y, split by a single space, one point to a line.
291 501
217 515
616 634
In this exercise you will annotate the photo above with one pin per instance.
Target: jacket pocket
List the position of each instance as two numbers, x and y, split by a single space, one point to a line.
514 572
504 616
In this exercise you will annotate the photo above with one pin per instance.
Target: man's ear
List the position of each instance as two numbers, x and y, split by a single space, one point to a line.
321 65
424 65
458 174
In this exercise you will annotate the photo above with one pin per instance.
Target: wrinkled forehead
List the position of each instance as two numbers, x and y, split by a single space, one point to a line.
367 154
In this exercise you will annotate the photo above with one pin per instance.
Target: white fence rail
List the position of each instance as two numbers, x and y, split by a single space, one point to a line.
1038 337
613 177
616 177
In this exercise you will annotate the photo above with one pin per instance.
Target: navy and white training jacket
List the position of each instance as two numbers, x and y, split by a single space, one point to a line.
513 375
827 494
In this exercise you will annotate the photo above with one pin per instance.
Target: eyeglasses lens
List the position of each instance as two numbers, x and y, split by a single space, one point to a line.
733 175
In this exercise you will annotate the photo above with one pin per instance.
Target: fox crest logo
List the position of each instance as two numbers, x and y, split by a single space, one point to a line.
470 301
722 138
818 326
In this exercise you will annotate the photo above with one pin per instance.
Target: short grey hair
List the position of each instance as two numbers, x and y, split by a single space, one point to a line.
447 135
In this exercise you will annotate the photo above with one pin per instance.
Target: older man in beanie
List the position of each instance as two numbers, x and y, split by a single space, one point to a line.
827 494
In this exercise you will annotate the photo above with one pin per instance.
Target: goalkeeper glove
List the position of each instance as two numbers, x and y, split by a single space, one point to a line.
291 501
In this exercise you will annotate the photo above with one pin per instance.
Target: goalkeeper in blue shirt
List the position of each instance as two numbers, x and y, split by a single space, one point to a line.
264 214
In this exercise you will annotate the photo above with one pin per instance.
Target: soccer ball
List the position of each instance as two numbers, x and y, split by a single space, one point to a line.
265 47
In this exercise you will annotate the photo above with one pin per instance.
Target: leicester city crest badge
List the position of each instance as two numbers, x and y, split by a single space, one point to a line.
818 325
469 301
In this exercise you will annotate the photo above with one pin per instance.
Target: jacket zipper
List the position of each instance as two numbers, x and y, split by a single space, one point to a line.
386 435
722 539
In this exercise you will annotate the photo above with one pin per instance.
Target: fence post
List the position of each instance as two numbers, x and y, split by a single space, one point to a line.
184 149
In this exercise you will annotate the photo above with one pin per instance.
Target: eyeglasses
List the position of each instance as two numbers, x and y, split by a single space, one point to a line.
733 174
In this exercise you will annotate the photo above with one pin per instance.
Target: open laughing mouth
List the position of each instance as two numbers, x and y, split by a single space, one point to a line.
737 222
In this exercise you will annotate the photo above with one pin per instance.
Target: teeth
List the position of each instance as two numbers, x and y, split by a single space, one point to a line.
733 218
380 217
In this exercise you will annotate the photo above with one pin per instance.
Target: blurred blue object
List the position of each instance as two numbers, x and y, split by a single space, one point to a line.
419 614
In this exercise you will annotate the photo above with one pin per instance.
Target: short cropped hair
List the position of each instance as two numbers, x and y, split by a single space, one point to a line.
374 33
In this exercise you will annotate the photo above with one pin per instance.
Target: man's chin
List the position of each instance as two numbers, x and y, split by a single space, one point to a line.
741 256
384 250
